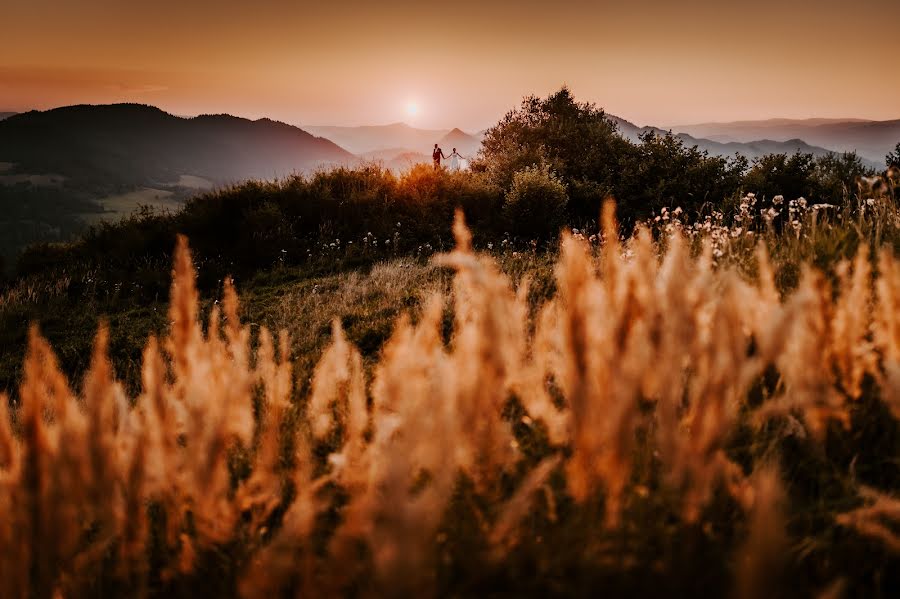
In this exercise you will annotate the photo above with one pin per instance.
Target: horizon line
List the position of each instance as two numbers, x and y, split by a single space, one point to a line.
300 125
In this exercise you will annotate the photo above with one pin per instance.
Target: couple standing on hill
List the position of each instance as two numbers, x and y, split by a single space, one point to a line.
454 158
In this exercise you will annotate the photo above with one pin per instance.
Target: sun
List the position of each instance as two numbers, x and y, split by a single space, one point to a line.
412 109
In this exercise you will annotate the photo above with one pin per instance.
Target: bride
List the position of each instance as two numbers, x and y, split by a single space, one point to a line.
455 159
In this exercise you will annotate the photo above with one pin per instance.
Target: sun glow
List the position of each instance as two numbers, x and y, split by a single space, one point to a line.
412 109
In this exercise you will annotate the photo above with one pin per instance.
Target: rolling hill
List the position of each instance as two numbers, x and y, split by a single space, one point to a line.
870 139
64 169
131 144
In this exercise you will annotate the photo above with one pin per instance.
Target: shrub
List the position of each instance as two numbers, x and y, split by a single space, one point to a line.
536 203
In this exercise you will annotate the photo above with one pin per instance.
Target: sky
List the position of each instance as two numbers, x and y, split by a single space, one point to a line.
458 63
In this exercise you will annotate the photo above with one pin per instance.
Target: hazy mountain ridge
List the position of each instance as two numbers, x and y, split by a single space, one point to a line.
752 147
465 144
6 115
385 143
870 139
371 138
399 146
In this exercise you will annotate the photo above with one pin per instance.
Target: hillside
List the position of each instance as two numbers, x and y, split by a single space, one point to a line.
871 139
6 115
64 169
133 144
392 336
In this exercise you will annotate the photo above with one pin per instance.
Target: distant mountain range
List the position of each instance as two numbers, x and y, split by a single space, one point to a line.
752 147
398 145
371 138
870 139
465 144
388 142
61 169
142 145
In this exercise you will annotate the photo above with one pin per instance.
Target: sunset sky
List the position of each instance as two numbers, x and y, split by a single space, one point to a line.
457 63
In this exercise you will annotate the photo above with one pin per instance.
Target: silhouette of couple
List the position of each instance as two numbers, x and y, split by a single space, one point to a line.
454 158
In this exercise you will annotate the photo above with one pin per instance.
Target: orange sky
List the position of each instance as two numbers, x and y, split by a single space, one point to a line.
463 63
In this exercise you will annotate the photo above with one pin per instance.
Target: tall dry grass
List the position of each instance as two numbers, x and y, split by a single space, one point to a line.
636 376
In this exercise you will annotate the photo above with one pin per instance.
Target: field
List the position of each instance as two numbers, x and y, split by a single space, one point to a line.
119 206
700 413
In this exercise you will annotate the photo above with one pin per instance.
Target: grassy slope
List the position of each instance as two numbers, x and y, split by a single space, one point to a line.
366 300
366 295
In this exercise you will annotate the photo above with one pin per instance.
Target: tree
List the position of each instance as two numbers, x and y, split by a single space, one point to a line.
662 172
574 140
582 146
836 174
893 158
779 174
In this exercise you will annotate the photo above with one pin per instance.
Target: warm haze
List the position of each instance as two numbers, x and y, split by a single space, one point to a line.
457 64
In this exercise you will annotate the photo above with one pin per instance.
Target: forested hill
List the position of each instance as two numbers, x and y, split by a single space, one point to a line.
133 144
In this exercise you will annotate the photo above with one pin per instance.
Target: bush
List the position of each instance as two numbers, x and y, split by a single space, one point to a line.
536 203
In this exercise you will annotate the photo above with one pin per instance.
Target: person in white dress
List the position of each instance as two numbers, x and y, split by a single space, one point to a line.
455 160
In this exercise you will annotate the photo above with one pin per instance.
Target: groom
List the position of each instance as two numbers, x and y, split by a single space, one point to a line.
436 155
